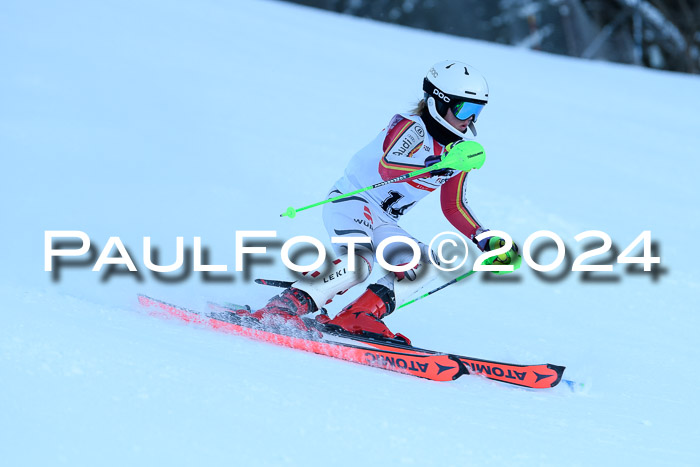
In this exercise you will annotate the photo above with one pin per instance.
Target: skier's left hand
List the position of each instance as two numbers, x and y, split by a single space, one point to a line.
511 256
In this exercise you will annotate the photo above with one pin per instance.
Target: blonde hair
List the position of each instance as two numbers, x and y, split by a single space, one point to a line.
419 108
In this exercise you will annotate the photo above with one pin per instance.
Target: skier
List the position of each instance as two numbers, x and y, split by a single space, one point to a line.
454 96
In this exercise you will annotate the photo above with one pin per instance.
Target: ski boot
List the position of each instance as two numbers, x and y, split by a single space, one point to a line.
364 315
285 309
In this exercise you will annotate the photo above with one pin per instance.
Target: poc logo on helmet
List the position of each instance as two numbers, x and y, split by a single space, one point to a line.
441 95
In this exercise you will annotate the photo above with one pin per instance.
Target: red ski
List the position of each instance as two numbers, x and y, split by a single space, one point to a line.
369 351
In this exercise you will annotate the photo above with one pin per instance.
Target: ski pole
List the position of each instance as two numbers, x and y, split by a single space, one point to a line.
470 155
453 281
487 261
291 212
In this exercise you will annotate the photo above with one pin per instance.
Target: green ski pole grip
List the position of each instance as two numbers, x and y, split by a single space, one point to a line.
465 156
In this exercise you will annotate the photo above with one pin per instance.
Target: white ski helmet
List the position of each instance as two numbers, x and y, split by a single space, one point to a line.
455 85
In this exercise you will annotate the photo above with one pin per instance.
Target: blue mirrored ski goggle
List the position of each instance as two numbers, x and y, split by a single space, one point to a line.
463 110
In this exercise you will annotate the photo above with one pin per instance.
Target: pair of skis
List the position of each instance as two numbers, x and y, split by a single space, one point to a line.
375 352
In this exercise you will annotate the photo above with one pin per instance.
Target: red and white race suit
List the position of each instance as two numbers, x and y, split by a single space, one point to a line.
400 148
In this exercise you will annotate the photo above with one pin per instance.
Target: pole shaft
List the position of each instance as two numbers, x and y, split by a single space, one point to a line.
453 281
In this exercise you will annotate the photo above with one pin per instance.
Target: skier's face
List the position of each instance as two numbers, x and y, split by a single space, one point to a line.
461 125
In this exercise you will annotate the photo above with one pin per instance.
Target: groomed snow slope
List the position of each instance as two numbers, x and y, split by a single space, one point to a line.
168 119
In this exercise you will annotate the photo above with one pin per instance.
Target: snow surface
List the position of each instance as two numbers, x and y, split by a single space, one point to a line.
168 119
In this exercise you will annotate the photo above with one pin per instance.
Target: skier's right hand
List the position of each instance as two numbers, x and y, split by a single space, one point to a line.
464 155
432 160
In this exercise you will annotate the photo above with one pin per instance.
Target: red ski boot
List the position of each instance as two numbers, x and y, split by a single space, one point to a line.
364 315
285 309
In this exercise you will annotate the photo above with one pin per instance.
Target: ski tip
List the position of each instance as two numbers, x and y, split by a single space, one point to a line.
559 370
